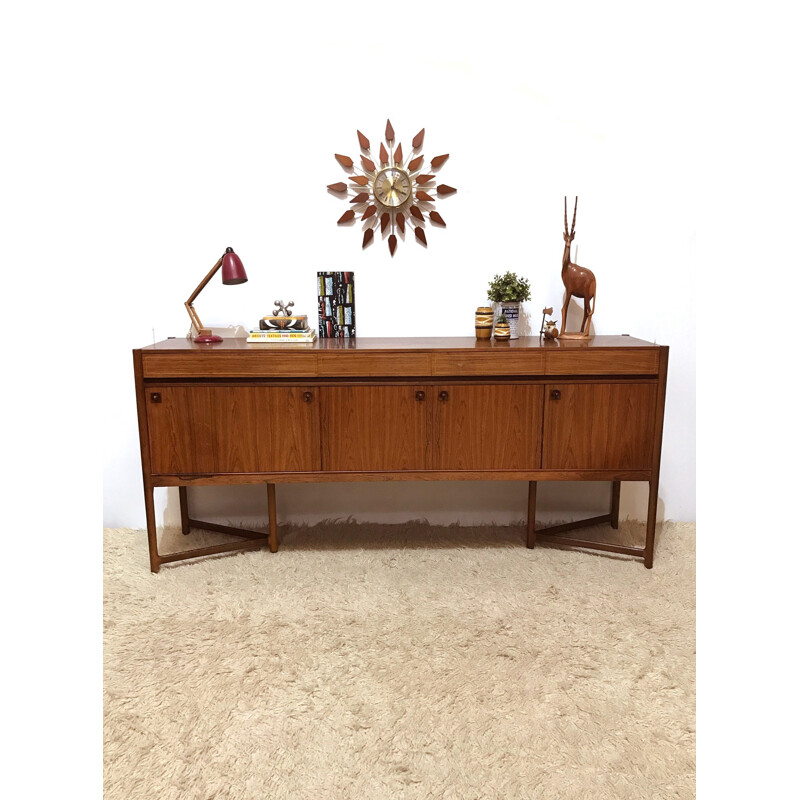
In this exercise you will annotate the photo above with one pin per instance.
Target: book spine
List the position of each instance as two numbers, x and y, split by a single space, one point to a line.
281 338
286 335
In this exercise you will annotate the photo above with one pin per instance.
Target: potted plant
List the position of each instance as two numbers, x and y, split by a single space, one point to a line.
502 330
508 291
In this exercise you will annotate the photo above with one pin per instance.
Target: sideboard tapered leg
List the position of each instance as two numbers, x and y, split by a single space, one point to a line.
273 518
650 540
184 497
531 514
152 535
615 488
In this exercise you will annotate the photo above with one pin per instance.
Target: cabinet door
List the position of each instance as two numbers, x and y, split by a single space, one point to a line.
229 429
599 426
487 427
375 428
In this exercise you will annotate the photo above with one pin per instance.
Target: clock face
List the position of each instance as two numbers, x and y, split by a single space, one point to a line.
392 187
391 191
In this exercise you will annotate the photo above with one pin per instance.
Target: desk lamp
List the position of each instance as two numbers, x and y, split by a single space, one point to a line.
232 273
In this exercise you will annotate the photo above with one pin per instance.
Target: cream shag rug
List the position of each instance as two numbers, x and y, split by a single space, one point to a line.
399 661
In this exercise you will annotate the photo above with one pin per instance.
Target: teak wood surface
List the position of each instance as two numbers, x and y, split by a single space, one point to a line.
599 426
403 357
220 429
357 438
486 427
400 409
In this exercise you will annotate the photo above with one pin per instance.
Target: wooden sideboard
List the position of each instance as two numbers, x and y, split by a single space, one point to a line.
400 409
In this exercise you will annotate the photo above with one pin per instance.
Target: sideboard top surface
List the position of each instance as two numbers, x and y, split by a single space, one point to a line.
400 358
362 344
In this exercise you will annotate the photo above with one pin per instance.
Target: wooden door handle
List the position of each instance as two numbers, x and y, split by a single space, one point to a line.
420 396
444 395
307 397
155 397
555 394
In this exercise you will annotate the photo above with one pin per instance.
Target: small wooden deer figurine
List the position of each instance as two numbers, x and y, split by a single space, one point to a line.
549 328
578 281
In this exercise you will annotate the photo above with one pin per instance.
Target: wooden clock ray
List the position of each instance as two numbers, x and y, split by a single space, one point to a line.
391 190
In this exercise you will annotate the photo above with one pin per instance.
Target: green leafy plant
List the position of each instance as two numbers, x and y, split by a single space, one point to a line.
509 288
501 320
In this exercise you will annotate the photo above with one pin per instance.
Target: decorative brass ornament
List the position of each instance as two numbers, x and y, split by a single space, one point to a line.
390 192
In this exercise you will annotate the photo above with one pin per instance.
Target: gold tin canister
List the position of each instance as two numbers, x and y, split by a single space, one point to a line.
484 318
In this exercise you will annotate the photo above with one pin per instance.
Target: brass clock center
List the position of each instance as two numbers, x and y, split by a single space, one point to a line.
392 187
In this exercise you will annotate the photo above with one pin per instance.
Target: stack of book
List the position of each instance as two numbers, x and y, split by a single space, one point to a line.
295 336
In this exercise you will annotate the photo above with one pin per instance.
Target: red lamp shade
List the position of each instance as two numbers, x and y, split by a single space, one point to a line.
232 268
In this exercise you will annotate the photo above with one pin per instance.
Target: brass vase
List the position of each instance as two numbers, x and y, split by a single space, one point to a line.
484 317
502 332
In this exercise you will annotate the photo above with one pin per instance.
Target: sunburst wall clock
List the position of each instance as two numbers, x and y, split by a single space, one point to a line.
391 190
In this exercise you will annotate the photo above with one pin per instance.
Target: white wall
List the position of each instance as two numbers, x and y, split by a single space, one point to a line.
219 126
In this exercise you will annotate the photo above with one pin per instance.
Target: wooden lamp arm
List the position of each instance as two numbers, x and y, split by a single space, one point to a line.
198 326
189 307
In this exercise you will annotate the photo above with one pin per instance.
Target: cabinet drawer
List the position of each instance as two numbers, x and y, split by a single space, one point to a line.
493 362
602 362
260 363
354 364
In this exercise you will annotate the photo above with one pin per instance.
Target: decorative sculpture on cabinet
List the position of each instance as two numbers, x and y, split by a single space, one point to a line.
578 282
549 328
280 308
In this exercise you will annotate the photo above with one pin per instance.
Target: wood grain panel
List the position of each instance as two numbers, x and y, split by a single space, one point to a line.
241 427
170 444
488 427
332 363
599 426
232 429
374 428
493 362
193 424
602 362
284 360
224 479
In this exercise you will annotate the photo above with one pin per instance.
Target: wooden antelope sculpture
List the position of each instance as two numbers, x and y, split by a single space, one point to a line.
578 282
